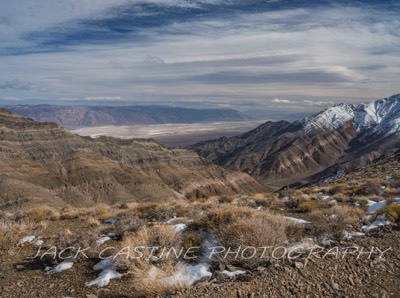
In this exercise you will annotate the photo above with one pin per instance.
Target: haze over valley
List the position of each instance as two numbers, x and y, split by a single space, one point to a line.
173 134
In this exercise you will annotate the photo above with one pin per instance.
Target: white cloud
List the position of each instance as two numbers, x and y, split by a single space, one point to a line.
357 45
104 98
318 103
279 100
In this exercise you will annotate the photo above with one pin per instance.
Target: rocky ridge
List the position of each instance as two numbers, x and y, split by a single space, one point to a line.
282 153
43 163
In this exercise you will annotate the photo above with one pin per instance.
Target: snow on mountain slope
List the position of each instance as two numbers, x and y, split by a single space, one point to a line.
382 116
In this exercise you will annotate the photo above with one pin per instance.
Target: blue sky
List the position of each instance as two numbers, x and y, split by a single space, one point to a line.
295 55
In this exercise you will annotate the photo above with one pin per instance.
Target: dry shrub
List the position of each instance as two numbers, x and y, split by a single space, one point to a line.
70 213
152 281
263 202
93 222
154 236
42 213
368 189
391 192
192 239
307 206
294 232
336 189
392 212
226 199
220 216
11 232
236 227
394 183
155 212
71 243
286 192
148 279
331 223
340 197
362 200
105 213
127 224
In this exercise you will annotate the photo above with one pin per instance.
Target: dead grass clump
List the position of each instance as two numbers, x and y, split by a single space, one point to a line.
331 223
105 213
394 183
294 232
239 227
266 202
11 232
307 206
259 230
340 197
391 192
392 212
155 212
71 243
226 199
286 192
220 216
336 189
368 189
160 280
190 240
93 222
362 200
128 224
152 237
42 213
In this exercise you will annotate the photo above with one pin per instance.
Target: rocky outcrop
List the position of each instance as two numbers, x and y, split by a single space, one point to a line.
41 162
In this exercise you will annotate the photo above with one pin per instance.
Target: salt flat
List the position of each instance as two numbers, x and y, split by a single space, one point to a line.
172 134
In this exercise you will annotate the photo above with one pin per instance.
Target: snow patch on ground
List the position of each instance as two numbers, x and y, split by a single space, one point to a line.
297 220
379 222
376 206
305 245
349 235
111 220
185 274
233 273
180 227
64 265
103 239
31 239
108 273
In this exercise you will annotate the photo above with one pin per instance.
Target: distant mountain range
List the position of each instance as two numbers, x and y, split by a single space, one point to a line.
42 163
86 116
341 137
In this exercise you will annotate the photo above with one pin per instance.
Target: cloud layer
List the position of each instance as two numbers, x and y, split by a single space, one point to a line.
240 54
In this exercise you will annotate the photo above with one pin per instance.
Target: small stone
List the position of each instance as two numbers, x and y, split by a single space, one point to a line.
299 265
91 296
261 269
351 281
335 286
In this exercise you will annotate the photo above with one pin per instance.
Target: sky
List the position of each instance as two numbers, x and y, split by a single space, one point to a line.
293 55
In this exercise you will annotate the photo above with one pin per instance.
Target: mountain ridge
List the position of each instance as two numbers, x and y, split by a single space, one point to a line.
44 163
88 116
282 153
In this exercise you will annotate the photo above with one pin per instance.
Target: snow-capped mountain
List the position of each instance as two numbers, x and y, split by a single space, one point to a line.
379 116
339 138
